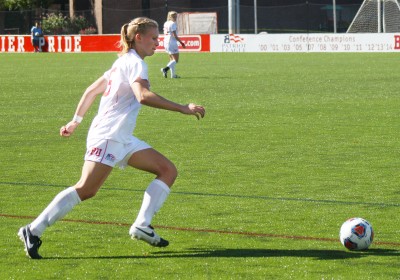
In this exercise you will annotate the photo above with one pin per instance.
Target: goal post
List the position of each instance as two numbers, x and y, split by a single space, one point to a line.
376 16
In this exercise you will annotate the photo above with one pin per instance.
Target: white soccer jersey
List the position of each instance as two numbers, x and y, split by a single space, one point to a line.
119 108
170 42
169 27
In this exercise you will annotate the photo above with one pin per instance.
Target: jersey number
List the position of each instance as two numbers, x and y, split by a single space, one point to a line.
108 89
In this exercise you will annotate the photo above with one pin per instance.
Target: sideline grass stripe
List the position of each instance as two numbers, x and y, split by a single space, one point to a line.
293 199
379 204
246 233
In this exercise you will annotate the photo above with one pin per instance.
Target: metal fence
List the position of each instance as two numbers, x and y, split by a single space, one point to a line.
299 18
21 22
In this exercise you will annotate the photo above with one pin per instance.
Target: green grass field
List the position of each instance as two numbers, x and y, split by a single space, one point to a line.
291 146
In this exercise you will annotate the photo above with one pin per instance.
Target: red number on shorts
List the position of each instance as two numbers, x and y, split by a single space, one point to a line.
96 152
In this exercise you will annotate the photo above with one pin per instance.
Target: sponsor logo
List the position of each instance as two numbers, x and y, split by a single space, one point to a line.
233 43
232 38
110 157
148 234
192 43
28 243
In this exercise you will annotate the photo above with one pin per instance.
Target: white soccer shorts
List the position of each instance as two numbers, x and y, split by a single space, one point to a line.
113 153
171 47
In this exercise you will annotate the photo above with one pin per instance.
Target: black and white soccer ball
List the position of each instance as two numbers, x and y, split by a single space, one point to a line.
356 234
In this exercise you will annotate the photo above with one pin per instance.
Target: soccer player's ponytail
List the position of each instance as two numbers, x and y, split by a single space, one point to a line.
123 44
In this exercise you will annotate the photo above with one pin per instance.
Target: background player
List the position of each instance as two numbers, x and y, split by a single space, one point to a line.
171 40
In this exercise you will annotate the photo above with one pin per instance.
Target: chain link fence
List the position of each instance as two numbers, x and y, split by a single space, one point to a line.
299 18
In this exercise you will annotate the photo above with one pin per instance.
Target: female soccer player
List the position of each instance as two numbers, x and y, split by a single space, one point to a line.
125 87
171 40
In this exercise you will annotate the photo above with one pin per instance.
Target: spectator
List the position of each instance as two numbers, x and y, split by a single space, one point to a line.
36 34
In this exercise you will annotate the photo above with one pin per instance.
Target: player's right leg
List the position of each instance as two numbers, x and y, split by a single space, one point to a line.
93 176
31 242
174 60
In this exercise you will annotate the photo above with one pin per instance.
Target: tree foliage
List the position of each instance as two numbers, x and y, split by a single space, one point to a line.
24 4
60 24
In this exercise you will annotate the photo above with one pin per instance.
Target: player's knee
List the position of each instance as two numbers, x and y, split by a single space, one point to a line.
84 193
88 195
169 172
172 171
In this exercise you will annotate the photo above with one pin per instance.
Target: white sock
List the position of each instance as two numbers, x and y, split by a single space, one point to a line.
154 197
56 210
171 66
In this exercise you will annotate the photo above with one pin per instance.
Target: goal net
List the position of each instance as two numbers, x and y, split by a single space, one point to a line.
376 16
197 23
391 16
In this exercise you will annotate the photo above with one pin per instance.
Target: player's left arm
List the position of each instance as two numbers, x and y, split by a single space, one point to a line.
178 39
146 97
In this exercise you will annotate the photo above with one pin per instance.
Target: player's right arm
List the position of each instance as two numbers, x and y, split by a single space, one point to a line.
87 99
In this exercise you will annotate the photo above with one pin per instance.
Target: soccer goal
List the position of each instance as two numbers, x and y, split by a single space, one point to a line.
377 16
197 23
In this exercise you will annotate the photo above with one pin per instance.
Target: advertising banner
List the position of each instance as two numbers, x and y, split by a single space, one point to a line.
90 43
381 42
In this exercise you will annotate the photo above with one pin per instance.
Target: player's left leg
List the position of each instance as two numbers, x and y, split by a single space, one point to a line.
155 195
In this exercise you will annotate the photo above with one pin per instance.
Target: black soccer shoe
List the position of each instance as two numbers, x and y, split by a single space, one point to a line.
32 243
164 72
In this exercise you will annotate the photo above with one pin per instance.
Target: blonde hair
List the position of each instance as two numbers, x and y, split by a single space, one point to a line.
129 30
172 15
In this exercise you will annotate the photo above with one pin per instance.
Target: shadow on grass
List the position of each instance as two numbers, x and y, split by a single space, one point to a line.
250 253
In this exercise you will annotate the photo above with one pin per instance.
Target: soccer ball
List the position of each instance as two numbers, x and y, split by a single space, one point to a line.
37 34
356 234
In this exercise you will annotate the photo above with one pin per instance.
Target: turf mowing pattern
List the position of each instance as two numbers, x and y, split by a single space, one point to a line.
291 146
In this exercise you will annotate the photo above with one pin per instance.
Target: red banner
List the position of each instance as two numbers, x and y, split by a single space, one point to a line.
90 43
193 43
